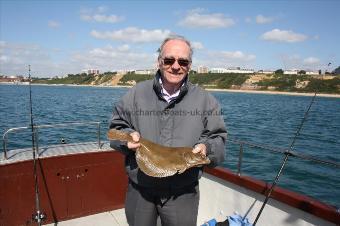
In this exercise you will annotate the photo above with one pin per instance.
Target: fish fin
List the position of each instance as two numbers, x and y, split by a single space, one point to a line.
181 170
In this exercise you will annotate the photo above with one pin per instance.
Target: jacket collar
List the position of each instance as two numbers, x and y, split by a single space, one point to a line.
158 88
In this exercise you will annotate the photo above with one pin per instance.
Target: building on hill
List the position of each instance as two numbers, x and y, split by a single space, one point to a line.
145 72
13 79
91 71
312 73
202 70
291 72
124 71
218 70
234 70
239 70
266 72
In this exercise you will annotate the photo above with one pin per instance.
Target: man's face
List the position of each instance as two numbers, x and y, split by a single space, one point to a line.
174 72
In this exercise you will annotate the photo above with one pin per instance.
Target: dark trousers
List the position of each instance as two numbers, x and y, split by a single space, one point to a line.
175 207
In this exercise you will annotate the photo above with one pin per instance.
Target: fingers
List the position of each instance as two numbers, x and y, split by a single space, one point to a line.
135 144
131 145
135 136
201 149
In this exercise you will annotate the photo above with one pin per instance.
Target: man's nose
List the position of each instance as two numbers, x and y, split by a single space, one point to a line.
175 66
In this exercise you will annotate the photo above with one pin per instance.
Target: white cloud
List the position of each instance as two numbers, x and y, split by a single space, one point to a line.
4 59
98 15
2 46
290 61
247 20
15 58
197 45
260 19
225 59
102 9
132 34
294 61
278 35
237 55
124 48
311 61
196 19
107 19
114 58
102 18
53 24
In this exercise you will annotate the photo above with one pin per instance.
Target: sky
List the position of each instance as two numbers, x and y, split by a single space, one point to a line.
65 37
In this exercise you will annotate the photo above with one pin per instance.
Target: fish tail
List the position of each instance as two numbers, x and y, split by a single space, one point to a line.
114 134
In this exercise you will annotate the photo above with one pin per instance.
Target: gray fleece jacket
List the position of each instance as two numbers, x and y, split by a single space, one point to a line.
193 117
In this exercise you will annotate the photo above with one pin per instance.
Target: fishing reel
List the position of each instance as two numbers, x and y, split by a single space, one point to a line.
62 140
39 217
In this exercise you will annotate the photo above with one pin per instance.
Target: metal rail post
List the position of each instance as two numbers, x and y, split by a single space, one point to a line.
240 159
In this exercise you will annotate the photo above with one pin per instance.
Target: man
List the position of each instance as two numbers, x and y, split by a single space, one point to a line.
170 111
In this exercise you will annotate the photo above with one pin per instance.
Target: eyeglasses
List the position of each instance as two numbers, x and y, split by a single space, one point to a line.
170 61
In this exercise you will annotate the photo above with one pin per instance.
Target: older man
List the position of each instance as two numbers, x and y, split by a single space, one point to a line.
170 111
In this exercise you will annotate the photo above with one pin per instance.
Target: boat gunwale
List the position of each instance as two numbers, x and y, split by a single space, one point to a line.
291 198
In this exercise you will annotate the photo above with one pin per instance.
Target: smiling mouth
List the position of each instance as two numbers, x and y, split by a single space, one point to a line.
175 74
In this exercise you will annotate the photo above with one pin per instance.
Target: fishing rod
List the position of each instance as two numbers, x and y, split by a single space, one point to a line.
287 154
38 216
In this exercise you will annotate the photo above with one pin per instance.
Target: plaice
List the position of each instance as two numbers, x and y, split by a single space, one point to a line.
160 161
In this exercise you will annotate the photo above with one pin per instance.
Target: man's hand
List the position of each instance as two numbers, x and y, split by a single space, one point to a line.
135 144
200 148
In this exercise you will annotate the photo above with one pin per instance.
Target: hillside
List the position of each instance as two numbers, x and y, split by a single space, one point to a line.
278 82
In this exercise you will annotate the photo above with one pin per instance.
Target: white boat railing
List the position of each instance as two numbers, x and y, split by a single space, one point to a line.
282 151
241 144
36 133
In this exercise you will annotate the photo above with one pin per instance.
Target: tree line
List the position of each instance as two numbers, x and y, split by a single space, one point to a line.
277 81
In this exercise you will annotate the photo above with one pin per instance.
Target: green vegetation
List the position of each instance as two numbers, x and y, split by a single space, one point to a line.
278 81
287 83
281 82
336 71
323 86
131 76
222 81
79 79
278 72
104 78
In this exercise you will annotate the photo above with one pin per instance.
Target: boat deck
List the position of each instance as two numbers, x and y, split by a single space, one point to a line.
109 218
226 200
79 183
18 155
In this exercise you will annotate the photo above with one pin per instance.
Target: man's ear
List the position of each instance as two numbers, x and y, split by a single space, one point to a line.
159 62
189 67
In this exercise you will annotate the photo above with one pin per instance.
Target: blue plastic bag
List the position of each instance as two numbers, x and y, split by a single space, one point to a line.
234 220
212 222
237 220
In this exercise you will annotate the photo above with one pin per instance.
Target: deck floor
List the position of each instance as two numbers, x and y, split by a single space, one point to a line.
18 155
110 218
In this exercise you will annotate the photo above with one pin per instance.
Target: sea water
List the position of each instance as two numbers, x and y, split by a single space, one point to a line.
265 119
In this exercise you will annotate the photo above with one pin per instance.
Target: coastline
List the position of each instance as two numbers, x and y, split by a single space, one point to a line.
208 89
274 92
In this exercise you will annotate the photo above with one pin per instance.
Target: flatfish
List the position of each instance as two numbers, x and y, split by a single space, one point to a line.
160 161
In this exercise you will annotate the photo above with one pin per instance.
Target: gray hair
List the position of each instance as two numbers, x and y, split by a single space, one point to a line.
175 37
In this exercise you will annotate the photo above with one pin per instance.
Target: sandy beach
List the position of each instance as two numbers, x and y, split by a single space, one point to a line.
253 91
208 89
274 92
